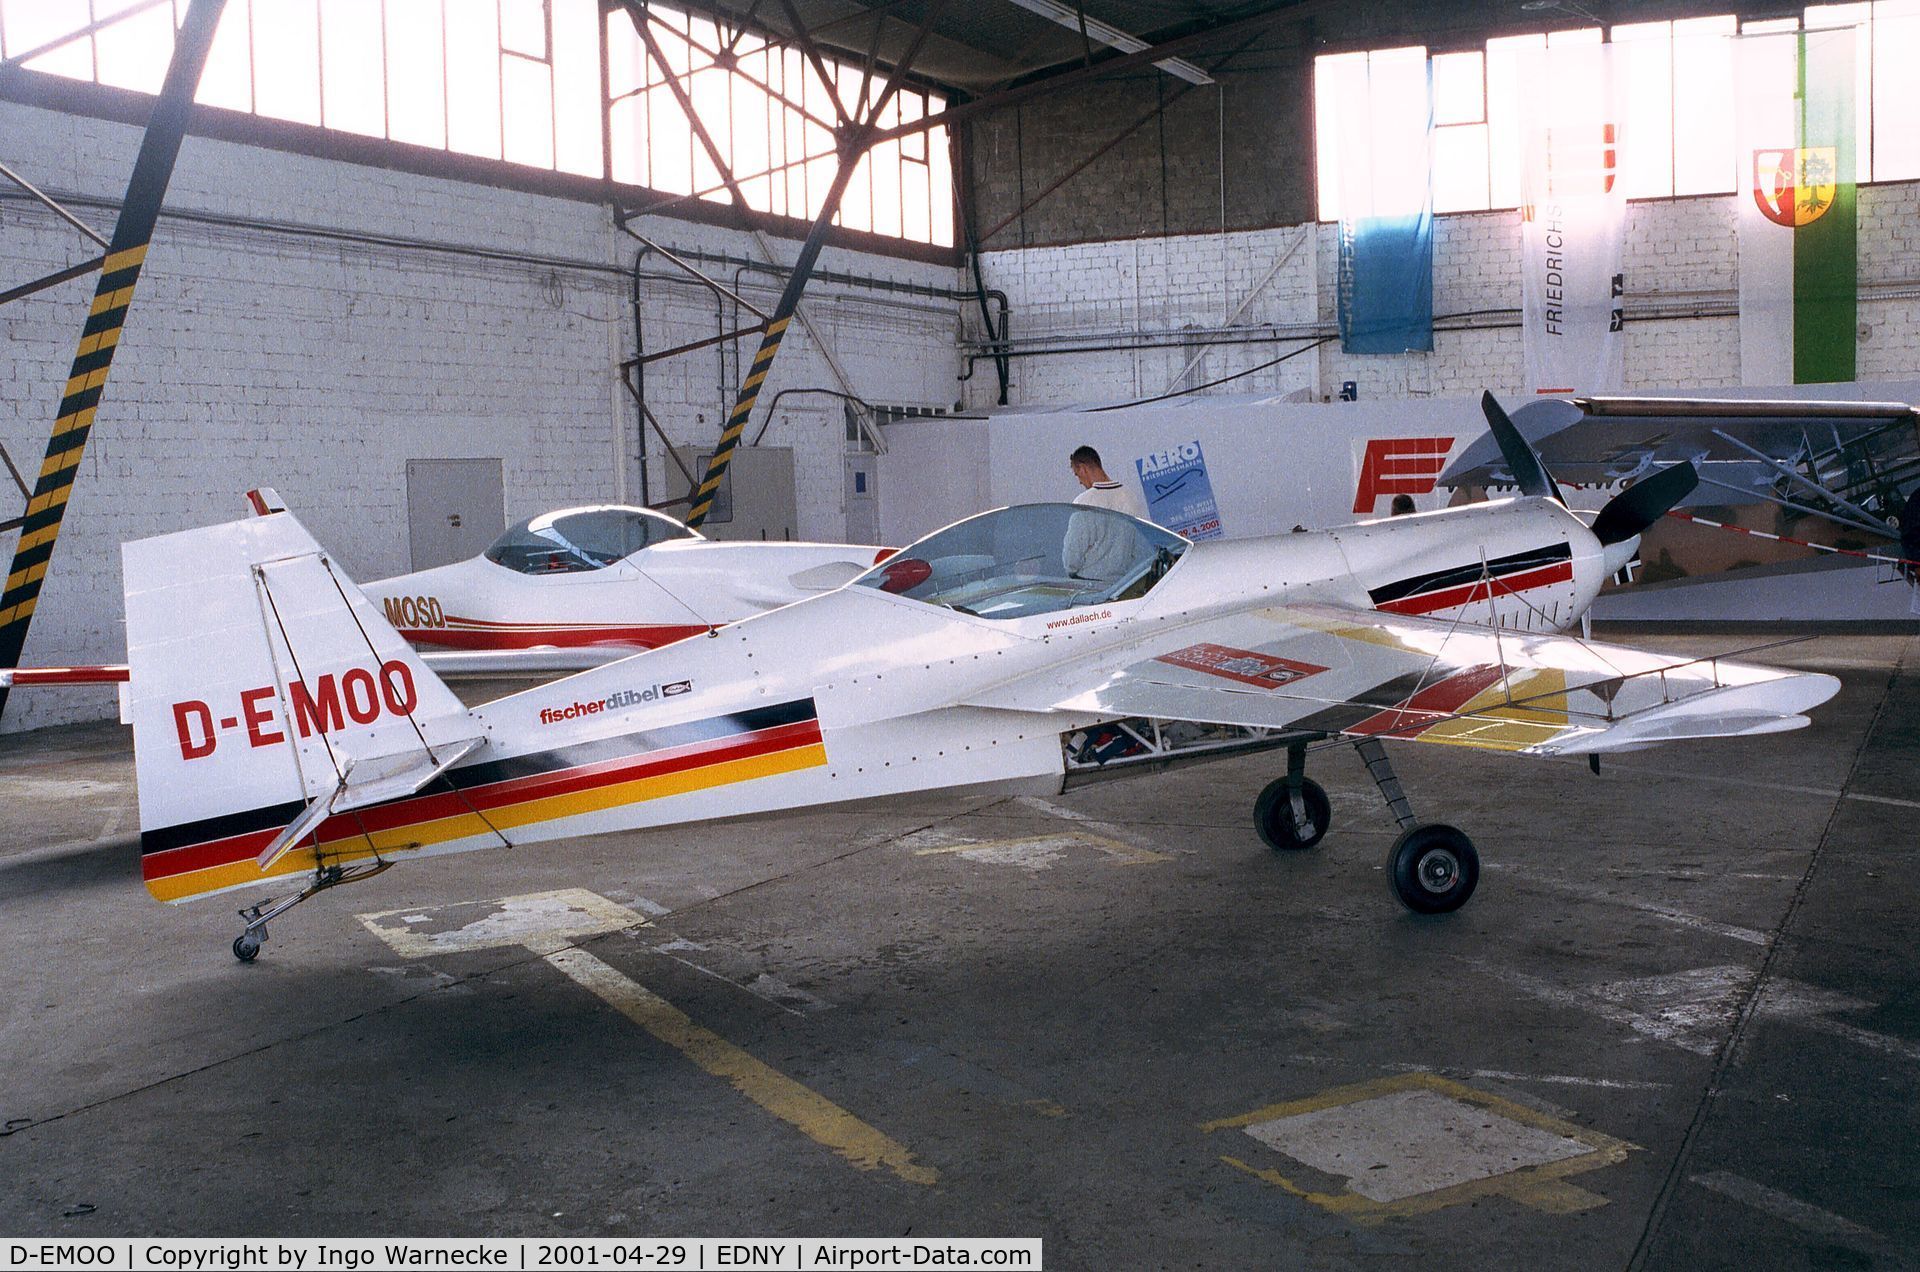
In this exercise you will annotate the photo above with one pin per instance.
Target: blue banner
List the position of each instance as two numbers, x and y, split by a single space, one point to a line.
1179 493
1386 283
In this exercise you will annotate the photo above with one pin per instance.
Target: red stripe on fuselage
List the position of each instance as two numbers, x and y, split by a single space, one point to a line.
1481 590
513 637
513 790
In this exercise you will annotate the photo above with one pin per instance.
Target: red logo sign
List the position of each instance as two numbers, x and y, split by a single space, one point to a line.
1263 671
356 695
1399 466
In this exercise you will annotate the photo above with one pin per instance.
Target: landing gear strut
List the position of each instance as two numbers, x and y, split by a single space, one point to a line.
246 946
1431 868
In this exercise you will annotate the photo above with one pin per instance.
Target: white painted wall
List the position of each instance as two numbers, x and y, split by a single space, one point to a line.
1679 252
320 366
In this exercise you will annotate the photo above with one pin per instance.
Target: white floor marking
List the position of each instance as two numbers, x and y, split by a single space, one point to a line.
1694 1009
1031 852
1780 1205
1409 1142
1557 1079
1813 1008
1419 1142
1607 1008
1106 830
563 915
1672 915
56 789
1750 783
812 1004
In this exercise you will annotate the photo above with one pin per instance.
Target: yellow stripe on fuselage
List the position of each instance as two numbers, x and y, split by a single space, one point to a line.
466 825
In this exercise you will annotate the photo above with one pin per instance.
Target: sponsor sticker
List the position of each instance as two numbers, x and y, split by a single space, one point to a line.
618 700
1263 671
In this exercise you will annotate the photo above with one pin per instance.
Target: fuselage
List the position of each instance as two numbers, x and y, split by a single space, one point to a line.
845 696
860 693
660 594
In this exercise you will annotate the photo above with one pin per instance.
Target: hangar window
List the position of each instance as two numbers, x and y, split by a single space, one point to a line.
519 81
1677 115
1031 559
580 539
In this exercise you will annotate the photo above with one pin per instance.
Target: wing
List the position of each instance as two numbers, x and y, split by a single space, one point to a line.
1603 440
1335 669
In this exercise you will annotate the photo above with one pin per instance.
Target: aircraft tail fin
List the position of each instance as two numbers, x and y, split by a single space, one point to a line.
268 697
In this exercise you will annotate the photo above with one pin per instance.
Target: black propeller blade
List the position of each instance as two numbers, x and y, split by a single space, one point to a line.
1643 503
1528 472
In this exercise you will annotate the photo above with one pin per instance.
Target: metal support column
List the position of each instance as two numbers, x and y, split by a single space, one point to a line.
152 171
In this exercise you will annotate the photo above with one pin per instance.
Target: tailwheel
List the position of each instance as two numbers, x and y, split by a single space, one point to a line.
1284 828
1432 869
246 947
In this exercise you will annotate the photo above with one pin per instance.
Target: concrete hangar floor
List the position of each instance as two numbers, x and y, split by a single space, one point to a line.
1678 1026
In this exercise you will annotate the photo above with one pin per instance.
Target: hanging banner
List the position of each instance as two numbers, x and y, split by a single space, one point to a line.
1573 221
1386 284
1384 122
1794 187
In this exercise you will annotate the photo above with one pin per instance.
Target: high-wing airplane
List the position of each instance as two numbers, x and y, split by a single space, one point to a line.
1851 462
283 729
583 586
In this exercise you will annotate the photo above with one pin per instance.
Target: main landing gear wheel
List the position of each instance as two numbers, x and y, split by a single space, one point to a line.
1273 815
1432 869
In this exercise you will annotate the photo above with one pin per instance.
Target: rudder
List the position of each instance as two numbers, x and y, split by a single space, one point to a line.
266 692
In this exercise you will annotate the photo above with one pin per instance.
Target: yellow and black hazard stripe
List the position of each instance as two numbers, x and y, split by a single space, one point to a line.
709 488
100 337
98 340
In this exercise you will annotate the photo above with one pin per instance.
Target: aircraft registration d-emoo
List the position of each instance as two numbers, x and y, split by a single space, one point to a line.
284 730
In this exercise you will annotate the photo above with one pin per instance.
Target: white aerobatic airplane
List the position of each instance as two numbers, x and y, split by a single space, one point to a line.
284 730
583 586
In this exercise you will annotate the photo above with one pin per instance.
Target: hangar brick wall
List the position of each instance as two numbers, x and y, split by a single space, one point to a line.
319 366
1679 252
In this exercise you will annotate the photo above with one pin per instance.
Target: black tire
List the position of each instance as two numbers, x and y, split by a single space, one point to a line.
245 948
1273 815
1433 869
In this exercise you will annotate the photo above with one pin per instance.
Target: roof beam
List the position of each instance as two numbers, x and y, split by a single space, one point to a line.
955 115
1112 37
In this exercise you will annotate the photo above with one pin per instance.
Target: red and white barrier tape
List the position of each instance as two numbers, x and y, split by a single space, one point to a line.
1798 543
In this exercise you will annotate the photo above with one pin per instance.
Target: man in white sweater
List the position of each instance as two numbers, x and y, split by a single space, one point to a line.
1102 491
1099 549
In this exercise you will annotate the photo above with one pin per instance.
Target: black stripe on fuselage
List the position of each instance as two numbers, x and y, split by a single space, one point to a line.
534 764
1531 559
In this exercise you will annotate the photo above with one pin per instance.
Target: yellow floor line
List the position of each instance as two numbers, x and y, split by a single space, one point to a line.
812 1114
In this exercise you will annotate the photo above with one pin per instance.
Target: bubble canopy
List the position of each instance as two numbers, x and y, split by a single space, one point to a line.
577 540
1031 559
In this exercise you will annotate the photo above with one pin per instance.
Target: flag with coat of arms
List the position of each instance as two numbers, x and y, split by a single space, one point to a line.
1798 231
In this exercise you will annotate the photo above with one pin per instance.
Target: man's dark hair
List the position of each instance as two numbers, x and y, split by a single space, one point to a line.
1402 505
1086 455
